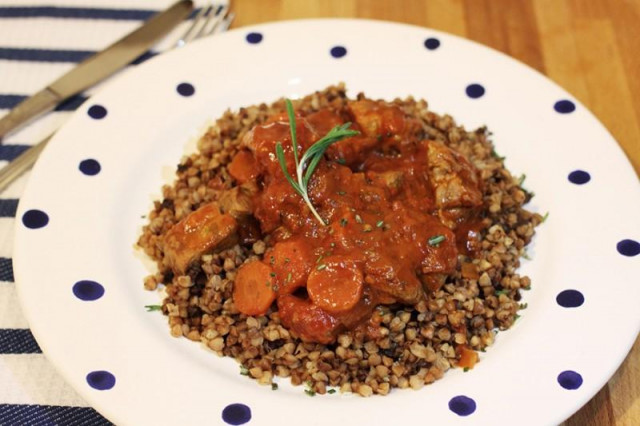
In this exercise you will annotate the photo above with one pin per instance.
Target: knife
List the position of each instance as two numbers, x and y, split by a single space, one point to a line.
97 67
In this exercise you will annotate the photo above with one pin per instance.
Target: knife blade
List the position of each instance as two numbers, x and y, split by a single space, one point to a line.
97 67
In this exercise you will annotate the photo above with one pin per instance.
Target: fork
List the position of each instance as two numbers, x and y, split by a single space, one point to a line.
207 21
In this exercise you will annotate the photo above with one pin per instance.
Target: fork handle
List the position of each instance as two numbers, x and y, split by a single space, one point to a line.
18 166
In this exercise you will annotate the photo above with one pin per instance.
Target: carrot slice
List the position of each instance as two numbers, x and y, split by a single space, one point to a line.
291 261
336 285
253 291
468 357
243 167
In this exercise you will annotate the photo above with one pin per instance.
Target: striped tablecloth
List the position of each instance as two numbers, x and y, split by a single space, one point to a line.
39 41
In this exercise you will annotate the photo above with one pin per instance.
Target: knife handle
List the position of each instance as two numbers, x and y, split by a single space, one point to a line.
30 107
18 166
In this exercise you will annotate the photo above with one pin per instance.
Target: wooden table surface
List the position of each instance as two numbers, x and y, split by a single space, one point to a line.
589 47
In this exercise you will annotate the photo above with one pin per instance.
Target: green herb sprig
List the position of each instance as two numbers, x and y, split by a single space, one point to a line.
306 165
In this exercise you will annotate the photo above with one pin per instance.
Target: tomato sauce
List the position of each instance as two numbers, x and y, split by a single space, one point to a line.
398 210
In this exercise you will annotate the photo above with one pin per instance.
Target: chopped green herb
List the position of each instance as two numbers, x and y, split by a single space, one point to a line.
244 370
273 274
274 386
309 390
521 179
466 369
287 260
151 308
331 391
289 277
436 240
306 165
380 224
544 218
358 218
272 260
341 192
523 305
343 222
319 258
503 291
268 284
525 255
321 267
516 318
496 155
483 350
341 161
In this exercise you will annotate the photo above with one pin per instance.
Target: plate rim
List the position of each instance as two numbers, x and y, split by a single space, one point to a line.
324 21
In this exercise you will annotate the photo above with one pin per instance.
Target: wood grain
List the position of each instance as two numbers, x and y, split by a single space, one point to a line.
589 47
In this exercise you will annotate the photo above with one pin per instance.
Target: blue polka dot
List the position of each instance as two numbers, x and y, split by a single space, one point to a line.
628 248
338 51
34 219
462 405
570 298
579 177
88 290
564 106
186 89
97 112
432 43
236 414
475 91
101 380
254 38
570 380
89 167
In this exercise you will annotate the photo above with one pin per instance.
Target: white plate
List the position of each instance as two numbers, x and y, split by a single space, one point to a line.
94 220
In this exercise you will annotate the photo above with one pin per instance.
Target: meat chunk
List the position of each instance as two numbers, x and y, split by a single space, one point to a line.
441 254
402 284
453 179
261 141
433 282
238 201
391 180
309 321
377 119
202 231
243 168
363 309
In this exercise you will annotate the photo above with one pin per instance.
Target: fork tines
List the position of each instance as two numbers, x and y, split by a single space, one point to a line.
206 22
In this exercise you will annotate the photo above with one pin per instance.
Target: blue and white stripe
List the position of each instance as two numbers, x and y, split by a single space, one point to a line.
40 41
